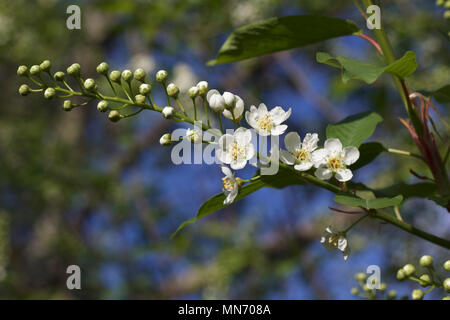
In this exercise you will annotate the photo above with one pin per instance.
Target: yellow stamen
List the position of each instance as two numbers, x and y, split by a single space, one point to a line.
265 122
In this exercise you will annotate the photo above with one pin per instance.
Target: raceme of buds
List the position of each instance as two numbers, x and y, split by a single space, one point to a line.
114 116
74 70
35 70
139 98
103 68
166 139
426 261
24 90
49 93
168 112
202 88
67 105
161 76
22 71
139 74
115 76
45 66
59 76
127 75
193 92
173 90
145 89
90 84
102 106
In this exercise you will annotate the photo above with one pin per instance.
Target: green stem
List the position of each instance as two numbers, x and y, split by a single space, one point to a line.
206 110
195 109
355 223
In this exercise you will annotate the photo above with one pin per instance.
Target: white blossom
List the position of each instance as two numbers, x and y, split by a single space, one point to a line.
234 108
333 160
230 185
168 112
335 240
236 149
267 122
215 100
194 136
299 153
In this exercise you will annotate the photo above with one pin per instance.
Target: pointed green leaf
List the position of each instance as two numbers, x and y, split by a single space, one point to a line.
377 203
354 130
443 94
281 33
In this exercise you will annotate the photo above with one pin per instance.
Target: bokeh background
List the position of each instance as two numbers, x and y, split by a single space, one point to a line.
78 189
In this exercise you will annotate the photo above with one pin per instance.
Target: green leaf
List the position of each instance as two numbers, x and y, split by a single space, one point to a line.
358 70
354 130
420 190
281 33
283 178
442 201
443 94
368 152
377 203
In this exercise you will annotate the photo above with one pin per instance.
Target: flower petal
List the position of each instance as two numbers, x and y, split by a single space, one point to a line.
333 145
262 109
250 152
318 157
238 164
225 141
342 243
242 135
304 166
310 141
323 173
343 175
232 195
287 157
292 142
226 171
278 130
351 155
223 156
211 93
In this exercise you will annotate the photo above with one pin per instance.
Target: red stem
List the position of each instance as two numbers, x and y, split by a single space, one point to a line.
372 41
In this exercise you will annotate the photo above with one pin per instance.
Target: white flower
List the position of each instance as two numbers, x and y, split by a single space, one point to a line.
265 122
335 240
215 100
299 154
194 136
168 112
333 160
236 149
230 185
234 108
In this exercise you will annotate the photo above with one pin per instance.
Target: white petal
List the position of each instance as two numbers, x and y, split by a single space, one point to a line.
304 166
238 164
346 253
330 230
311 141
226 171
279 115
242 135
318 157
211 93
278 130
232 195
263 133
228 98
342 243
262 109
292 141
223 156
238 109
250 152
250 116
351 155
333 145
287 157
225 141
343 175
323 173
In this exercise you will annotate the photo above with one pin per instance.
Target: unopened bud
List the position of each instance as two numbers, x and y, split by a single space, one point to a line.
127 75
409 269
140 99
45 65
115 76
355 291
229 99
59 76
447 265
24 90
392 294
360 276
216 101
161 76
426 261
145 89
49 93
102 106
139 74
114 116
35 70
67 105
401 275
173 90
168 112
166 139
417 294
103 68
447 284
193 92
202 88
74 70
425 280
90 84
194 136
22 71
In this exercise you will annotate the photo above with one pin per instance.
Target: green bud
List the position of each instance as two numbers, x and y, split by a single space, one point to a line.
354 291
202 88
49 93
360 276
59 76
440 2
392 294
166 139
425 280
447 284
409 269
67 105
401 275
102 106
161 76
193 92
22 71
173 90
426 261
145 89
35 70
447 14
127 75
140 98
114 116
383 286
417 294
447 5
90 84
446 298
24 90
115 76
103 68
139 74
46 65
74 70
447 265
365 287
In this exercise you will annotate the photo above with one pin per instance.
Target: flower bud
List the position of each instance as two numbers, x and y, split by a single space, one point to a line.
102 106
446 298
447 284
127 75
360 276
392 294
59 76
425 280
24 90
145 89
103 68
90 84
35 70
202 88
401 275
67 105
114 116
215 100
139 74
447 265
383 286
74 70
355 291
22 71
140 98
417 294
440 2
49 93
168 112
45 65
193 92
115 76
409 269
426 261
194 136
166 139
161 76
229 99
173 90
